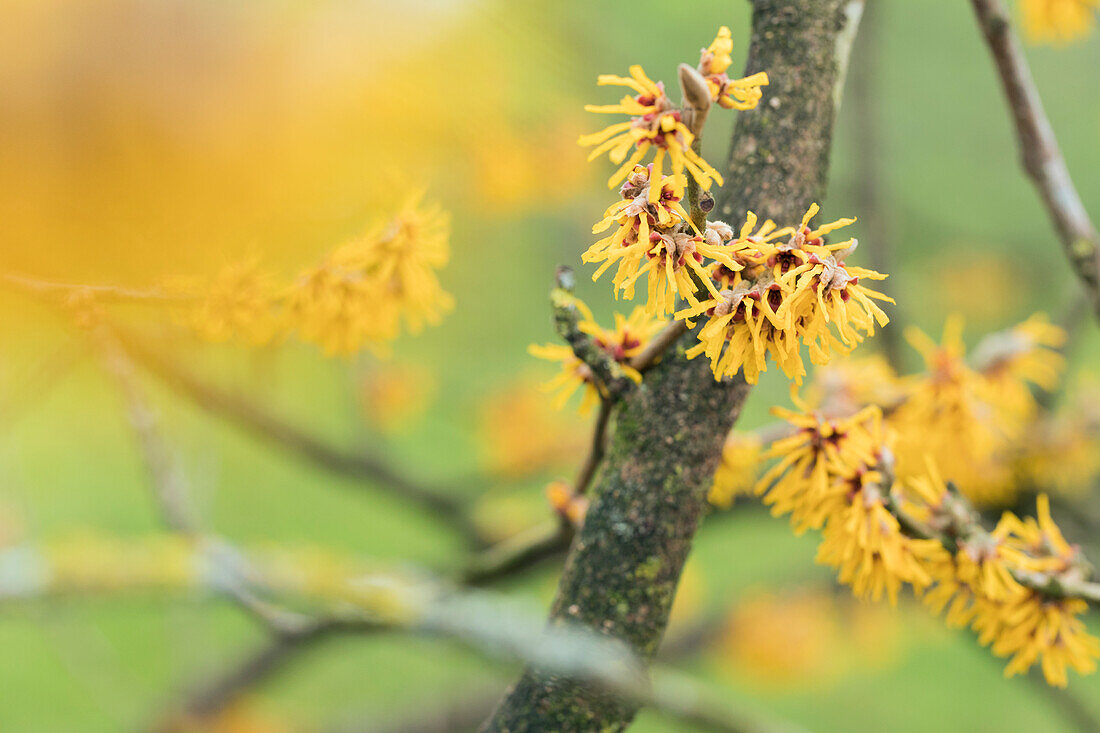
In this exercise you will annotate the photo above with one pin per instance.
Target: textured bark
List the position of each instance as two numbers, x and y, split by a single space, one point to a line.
623 568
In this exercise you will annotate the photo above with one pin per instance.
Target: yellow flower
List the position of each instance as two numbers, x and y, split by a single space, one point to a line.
655 123
792 294
395 396
865 543
971 418
980 590
715 58
736 474
654 239
738 94
851 383
1037 543
1049 631
623 342
1058 21
335 306
808 482
1061 454
794 637
566 502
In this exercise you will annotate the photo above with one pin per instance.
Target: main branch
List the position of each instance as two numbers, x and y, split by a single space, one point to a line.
647 500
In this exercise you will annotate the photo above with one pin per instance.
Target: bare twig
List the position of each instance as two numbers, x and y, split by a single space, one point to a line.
1042 159
262 424
606 373
169 485
1070 706
104 293
595 450
658 345
519 553
215 695
165 477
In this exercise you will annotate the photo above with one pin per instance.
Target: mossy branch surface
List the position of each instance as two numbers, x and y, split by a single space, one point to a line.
648 497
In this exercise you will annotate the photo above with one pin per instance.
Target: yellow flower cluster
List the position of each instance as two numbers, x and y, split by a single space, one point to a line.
1061 452
976 417
656 122
835 474
238 305
655 238
623 342
788 289
357 297
979 588
1058 21
768 291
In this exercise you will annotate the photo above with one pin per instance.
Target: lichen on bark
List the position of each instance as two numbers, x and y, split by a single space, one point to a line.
647 500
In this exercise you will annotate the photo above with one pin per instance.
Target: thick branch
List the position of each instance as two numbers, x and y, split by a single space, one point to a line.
1039 152
622 571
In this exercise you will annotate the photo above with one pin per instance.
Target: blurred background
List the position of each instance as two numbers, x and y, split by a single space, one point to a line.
147 140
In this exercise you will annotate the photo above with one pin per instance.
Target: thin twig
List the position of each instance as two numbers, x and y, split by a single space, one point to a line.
104 293
660 343
265 425
1070 706
605 372
519 553
595 450
165 477
215 695
169 484
1042 159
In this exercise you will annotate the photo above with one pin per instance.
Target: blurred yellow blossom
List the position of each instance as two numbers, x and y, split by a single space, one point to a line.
1058 21
736 474
395 395
358 296
240 303
520 433
783 640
